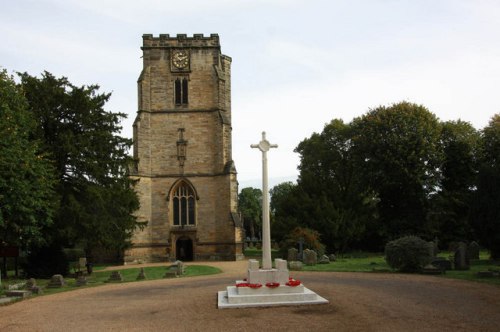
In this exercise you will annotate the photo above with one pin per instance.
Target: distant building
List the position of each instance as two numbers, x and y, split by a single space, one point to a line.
182 144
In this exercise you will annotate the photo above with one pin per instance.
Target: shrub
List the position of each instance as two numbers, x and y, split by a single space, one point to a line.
408 254
45 262
311 240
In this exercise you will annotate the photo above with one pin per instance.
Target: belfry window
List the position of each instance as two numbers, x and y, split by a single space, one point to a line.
181 91
184 205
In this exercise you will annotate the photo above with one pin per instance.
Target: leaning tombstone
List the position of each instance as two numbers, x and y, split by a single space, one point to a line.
56 281
461 259
292 254
115 276
324 260
473 250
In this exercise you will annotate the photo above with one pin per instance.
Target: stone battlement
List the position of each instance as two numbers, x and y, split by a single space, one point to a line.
180 40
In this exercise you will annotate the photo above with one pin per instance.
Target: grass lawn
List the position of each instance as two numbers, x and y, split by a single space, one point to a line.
375 262
99 277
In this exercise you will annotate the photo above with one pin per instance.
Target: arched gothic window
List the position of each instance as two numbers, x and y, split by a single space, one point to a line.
184 205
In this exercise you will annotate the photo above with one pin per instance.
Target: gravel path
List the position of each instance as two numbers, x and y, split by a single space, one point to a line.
358 302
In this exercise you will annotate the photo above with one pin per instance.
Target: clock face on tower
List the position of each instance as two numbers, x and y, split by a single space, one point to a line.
180 59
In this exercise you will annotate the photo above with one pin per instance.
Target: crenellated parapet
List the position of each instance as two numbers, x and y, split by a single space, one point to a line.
180 40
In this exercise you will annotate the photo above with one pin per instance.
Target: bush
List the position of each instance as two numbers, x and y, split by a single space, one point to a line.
45 262
310 237
408 254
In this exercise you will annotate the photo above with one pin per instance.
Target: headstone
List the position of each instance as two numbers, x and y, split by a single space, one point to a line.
436 246
32 286
324 260
175 270
292 254
431 269
310 257
81 281
295 265
30 283
115 276
441 263
461 259
432 251
258 246
473 250
56 281
141 275
276 246
332 257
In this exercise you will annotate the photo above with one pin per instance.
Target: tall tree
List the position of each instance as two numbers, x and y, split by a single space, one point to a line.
449 219
485 214
97 198
398 148
341 203
26 175
250 204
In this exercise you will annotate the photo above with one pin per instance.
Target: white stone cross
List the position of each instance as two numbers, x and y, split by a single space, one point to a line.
264 146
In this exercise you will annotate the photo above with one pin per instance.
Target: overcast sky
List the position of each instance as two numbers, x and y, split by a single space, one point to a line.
296 64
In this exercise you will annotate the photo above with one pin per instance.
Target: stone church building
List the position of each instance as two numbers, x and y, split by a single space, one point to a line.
182 146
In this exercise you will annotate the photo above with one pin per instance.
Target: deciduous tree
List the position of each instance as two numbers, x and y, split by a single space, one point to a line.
26 175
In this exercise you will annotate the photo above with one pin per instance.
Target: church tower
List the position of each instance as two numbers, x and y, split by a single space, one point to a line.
182 146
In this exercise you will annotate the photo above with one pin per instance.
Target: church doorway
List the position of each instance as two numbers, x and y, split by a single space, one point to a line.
184 249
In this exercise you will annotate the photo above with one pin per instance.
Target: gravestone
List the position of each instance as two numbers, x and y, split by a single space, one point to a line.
310 257
441 263
436 246
115 276
292 254
332 257
81 280
33 287
295 265
324 260
141 275
258 246
56 281
461 259
473 250
432 251
175 270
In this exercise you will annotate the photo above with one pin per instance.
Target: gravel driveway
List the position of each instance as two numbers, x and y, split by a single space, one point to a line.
358 302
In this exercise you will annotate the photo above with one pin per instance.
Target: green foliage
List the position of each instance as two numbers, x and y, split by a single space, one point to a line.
250 204
310 237
399 149
450 206
286 207
408 254
91 160
485 214
26 175
44 262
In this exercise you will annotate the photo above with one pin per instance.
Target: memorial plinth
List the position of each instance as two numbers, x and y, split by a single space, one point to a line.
256 293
